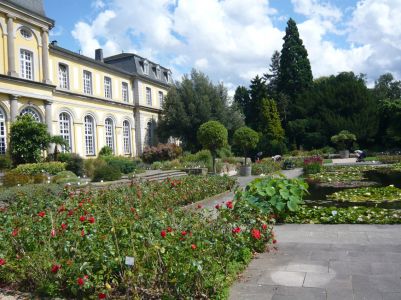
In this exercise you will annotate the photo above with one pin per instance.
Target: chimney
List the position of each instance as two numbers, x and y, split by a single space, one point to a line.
99 55
54 43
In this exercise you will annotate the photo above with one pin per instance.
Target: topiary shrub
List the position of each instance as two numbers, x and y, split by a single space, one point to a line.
246 139
213 136
34 169
65 177
91 164
163 152
74 163
106 173
124 164
106 151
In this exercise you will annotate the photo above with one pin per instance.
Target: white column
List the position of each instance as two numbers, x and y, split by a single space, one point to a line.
11 46
45 56
13 107
48 116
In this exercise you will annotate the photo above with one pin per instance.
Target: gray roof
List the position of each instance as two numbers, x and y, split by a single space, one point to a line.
35 6
134 64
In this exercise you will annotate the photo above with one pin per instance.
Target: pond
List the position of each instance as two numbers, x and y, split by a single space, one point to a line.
381 177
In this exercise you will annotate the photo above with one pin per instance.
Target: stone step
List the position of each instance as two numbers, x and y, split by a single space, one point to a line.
163 175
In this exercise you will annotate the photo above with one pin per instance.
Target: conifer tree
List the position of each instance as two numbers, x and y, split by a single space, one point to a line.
295 73
273 75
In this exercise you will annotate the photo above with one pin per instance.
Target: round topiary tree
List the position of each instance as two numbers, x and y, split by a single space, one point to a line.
213 135
28 139
246 139
344 141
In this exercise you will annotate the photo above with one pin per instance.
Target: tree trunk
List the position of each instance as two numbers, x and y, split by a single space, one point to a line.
214 164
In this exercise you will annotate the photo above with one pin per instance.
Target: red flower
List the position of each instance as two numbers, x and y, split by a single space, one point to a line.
82 233
217 206
133 210
163 233
169 229
53 233
91 220
274 241
183 233
255 234
80 281
2 262
199 206
236 230
102 296
229 204
15 232
193 246
55 268
42 214
70 213
64 226
82 218
264 226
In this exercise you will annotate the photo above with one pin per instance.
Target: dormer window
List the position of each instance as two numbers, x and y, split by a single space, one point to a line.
157 72
25 33
167 76
146 67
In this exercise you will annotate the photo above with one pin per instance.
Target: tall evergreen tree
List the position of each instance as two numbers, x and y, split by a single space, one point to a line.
257 92
243 101
273 75
295 73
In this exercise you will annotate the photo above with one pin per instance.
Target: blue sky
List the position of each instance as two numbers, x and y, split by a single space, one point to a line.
233 40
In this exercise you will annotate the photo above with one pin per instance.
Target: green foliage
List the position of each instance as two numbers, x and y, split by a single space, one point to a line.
162 152
58 140
341 174
91 164
124 164
65 177
344 140
47 167
368 194
74 163
28 139
295 73
346 215
31 193
246 139
389 159
12 178
202 159
178 253
192 102
275 195
106 151
213 136
106 173
266 167
5 162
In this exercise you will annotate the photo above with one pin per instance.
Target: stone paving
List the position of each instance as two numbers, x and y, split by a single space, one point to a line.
326 262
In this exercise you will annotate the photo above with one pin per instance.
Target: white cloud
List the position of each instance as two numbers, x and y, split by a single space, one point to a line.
233 40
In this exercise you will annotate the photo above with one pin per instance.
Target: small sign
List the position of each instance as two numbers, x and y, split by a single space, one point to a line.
129 261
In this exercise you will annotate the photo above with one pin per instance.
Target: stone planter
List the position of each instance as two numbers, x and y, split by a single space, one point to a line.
245 171
344 153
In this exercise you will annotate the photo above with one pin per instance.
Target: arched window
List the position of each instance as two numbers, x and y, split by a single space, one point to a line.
3 139
32 112
65 130
127 137
109 127
89 135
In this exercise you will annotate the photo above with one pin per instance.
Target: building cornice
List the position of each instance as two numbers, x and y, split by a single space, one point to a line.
148 109
26 81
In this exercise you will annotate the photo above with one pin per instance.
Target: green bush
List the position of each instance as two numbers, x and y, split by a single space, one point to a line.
224 152
157 165
5 162
31 193
266 166
106 151
91 164
389 159
65 177
47 167
313 165
106 173
202 158
124 164
14 178
162 152
275 195
74 163
246 139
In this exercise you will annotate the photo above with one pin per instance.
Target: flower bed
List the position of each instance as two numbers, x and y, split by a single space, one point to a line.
347 215
368 194
76 245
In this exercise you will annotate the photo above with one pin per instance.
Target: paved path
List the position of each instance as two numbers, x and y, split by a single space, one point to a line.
326 262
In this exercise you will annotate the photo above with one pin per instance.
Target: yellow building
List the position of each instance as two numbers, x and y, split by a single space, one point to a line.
113 101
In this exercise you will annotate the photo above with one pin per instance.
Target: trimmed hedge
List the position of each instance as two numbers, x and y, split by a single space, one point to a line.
162 152
33 169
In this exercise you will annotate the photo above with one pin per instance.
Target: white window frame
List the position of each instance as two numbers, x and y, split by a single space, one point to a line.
146 67
109 132
26 64
65 127
87 81
90 135
26 33
127 137
3 132
149 96
63 76
125 93
32 112
161 98
108 93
